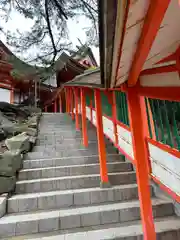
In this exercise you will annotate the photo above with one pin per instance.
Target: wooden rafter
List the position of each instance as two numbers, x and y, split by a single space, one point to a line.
151 26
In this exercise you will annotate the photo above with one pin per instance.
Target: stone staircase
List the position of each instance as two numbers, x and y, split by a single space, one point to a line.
58 197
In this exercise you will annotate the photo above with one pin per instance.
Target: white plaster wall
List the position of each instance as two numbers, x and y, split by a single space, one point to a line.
4 95
124 136
165 167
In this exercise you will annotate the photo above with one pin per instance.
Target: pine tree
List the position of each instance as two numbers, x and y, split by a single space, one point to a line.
49 33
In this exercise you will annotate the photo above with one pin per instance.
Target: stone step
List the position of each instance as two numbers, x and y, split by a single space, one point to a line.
167 228
56 140
75 145
66 153
53 140
66 161
72 182
60 141
65 127
71 198
53 220
66 134
72 170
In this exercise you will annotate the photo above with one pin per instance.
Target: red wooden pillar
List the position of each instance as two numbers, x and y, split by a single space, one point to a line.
55 106
137 107
100 136
72 104
69 101
60 103
114 115
67 104
91 110
76 107
12 95
45 109
83 114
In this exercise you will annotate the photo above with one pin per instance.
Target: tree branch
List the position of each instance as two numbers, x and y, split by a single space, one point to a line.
59 7
49 29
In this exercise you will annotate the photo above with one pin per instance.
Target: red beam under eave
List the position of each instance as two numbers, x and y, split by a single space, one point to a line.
162 93
151 26
171 57
156 70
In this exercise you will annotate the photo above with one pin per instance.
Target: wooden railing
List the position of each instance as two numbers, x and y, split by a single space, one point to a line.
134 121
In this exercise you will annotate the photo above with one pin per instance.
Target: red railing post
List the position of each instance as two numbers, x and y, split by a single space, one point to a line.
55 106
60 103
83 114
12 95
136 105
45 109
114 115
76 107
72 103
100 137
67 98
91 110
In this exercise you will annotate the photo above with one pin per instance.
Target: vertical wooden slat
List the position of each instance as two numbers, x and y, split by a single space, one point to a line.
83 114
137 110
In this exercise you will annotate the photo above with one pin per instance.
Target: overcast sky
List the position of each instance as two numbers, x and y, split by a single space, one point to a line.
76 31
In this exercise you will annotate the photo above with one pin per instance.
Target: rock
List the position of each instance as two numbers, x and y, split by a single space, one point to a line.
10 163
32 122
28 130
5 121
7 184
3 134
18 143
7 109
32 139
3 203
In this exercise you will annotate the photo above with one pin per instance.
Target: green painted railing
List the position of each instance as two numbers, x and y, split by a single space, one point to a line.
166 121
122 107
106 106
88 100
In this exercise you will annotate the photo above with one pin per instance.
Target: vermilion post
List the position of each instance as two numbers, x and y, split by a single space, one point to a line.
12 95
100 136
91 110
72 104
45 109
114 115
76 108
69 100
67 104
55 106
136 106
60 104
83 114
